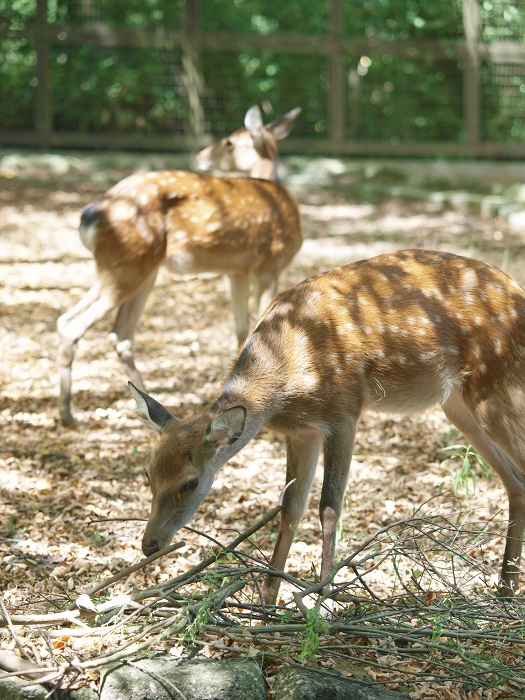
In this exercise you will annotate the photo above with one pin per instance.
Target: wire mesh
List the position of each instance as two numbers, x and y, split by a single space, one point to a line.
142 90
389 20
134 13
404 100
276 81
117 89
503 102
265 16
17 83
503 20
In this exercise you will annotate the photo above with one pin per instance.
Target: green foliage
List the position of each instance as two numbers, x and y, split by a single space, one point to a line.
466 472
15 13
131 13
132 89
193 629
402 19
503 102
502 20
17 65
17 83
265 16
100 89
404 100
277 81
315 626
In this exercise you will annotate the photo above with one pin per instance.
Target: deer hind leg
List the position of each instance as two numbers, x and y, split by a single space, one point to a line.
302 454
265 291
124 328
71 326
338 447
240 291
503 452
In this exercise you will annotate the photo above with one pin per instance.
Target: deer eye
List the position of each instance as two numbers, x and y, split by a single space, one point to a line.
190 456
190 485
229 143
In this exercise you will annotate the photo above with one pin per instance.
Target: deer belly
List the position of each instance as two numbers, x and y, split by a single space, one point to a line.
411 395
182 263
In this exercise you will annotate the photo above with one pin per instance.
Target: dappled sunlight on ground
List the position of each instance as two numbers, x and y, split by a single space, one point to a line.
54 480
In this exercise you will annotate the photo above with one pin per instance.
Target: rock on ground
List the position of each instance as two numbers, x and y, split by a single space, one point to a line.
305 684
164 679
17 689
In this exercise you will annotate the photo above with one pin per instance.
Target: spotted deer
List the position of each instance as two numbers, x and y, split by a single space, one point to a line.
243 227
397 333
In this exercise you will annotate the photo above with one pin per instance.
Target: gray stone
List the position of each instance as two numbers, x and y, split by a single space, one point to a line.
84 693
165 678
293 683
14 688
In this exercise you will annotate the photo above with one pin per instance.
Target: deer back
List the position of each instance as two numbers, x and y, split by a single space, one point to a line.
197 222
397 332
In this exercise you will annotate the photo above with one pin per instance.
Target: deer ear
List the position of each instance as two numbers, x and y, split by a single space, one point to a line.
281 127
254 123
227 427
152 413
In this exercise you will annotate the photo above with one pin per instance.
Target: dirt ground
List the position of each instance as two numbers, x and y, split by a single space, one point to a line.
54 480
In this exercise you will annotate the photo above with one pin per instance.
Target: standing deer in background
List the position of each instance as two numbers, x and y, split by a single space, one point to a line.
245 228
397 333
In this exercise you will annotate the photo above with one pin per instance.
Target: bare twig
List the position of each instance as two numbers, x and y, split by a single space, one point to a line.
12 663
135 567
12 630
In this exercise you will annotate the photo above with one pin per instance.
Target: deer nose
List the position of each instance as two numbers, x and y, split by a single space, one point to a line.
150 548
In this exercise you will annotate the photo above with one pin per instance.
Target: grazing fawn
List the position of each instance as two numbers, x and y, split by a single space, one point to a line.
245 228
397 333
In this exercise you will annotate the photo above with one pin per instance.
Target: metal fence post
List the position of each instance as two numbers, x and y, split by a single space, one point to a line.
336 84
43 107
471 75
192 75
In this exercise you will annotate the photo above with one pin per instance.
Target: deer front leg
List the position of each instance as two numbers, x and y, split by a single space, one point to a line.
71 326
240 291
265 291
338 447
302 454
124 328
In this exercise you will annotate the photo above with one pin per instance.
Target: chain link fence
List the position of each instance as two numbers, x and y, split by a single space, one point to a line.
383 77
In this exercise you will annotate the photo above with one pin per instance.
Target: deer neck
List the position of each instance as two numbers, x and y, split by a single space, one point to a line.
265 169
254 382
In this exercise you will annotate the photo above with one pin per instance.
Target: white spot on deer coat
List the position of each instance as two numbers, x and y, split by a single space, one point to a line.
469 280
122 210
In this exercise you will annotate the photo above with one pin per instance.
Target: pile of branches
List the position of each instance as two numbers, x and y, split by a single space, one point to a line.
441 625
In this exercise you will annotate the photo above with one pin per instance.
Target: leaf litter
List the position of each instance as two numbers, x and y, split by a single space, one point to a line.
55 481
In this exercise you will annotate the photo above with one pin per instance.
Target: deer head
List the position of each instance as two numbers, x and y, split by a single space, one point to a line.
184 464
251 150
